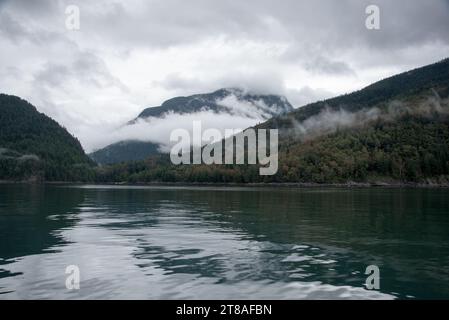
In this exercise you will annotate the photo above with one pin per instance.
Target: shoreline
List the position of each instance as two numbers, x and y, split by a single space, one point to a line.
255 184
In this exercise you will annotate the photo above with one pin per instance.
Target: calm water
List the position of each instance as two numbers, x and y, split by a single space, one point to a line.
221 243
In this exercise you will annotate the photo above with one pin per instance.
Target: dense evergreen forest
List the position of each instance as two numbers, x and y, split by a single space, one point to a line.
396 130
35 147
128 150
431 77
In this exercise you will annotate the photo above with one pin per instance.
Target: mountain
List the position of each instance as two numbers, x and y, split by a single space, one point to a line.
35 147
231 101
129 150
393 131
430 77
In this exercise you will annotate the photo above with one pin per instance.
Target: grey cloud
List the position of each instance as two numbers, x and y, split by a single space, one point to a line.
336 24
305 95
42 7
326 66
86 67
260 81
257 81
170 22
11 28
179 83
18 29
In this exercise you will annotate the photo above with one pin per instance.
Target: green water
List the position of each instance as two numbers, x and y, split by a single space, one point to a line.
222 243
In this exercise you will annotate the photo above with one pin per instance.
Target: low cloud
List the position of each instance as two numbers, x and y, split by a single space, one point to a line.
330 120
250 109
158 130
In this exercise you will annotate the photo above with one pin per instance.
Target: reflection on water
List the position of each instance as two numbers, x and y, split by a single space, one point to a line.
223 243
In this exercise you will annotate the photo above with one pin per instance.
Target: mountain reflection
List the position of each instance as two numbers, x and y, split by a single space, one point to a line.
31 218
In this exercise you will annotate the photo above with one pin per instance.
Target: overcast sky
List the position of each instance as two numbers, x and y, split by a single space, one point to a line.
128 55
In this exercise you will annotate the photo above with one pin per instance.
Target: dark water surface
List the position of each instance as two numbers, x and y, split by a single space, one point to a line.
222 243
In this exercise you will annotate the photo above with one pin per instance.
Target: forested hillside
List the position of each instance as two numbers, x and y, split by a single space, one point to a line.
394 131
122 151
35 147
430 77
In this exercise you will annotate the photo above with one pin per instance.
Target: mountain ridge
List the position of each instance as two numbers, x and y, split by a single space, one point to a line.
426 77
211 102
